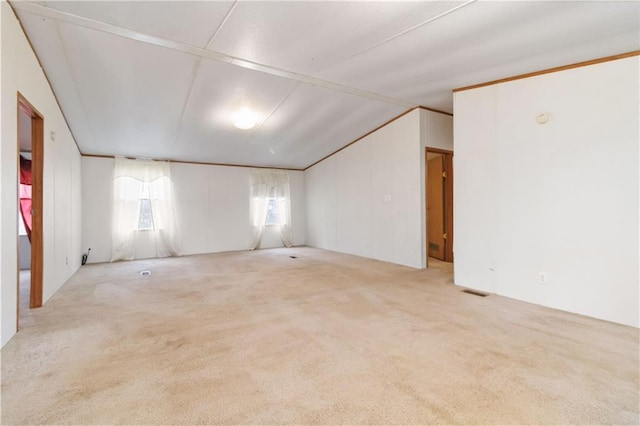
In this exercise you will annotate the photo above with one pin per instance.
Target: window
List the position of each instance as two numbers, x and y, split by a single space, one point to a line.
269 205
145 217
273 212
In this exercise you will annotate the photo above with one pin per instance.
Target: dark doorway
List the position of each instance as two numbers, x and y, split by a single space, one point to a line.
30 190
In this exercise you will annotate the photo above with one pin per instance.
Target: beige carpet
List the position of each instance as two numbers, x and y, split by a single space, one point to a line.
25 294
259 337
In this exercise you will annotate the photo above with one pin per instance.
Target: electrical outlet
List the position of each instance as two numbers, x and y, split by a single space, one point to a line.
542 278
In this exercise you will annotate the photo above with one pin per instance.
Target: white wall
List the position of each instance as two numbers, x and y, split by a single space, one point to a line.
62 207
559 198
97 190
368 199
212 208
474 189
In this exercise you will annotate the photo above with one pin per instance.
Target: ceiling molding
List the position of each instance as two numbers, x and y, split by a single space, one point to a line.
439 111
363 136
552 70
69 18
202 163
376 129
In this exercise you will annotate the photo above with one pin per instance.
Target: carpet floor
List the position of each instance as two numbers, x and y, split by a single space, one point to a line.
323 338
25 294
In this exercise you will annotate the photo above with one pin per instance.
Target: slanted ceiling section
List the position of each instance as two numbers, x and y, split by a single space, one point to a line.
164 79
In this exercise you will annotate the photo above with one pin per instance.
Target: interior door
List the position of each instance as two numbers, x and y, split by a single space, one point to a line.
37 186
435 207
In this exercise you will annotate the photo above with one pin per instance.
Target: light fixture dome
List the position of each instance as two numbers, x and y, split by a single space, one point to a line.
244 119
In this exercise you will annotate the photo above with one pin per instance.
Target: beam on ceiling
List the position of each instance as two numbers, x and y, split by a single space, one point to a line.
104 27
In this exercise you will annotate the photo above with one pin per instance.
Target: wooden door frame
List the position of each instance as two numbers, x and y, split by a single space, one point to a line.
448 201
37 202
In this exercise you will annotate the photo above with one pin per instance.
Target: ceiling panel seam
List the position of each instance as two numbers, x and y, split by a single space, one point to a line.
203 53
415 27
196 71
278 105
33 50
75 84
224 21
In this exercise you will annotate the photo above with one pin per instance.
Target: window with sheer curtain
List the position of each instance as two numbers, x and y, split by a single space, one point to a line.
270 204
143 204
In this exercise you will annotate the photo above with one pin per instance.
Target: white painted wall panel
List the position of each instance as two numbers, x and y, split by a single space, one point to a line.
396 170
366 199
438 130
218 215
61 224
382 201
354 198
298 208
212 208
322 209
564 194
474 212
97 174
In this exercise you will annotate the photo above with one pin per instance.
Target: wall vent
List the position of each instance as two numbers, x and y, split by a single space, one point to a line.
475 293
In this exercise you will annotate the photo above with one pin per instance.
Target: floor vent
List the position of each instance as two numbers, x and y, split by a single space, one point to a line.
293 257
475 293
145 273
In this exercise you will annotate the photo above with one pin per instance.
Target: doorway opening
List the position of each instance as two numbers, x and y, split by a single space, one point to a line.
439 204
30 204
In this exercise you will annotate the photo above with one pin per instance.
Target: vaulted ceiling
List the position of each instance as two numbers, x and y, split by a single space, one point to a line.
165 79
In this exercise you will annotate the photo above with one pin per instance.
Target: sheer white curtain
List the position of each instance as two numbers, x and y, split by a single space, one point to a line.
129 180
267 184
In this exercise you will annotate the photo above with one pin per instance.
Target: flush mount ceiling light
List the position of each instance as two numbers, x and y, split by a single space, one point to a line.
245 119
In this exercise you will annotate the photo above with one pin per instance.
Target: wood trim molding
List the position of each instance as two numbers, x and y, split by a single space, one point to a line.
362 137
27 107
202 163
77 20
287 168
438 150
378 128
552 70
37 199
448 205
45 76
435 110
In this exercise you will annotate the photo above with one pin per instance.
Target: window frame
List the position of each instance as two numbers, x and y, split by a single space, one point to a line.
274 200
145 196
